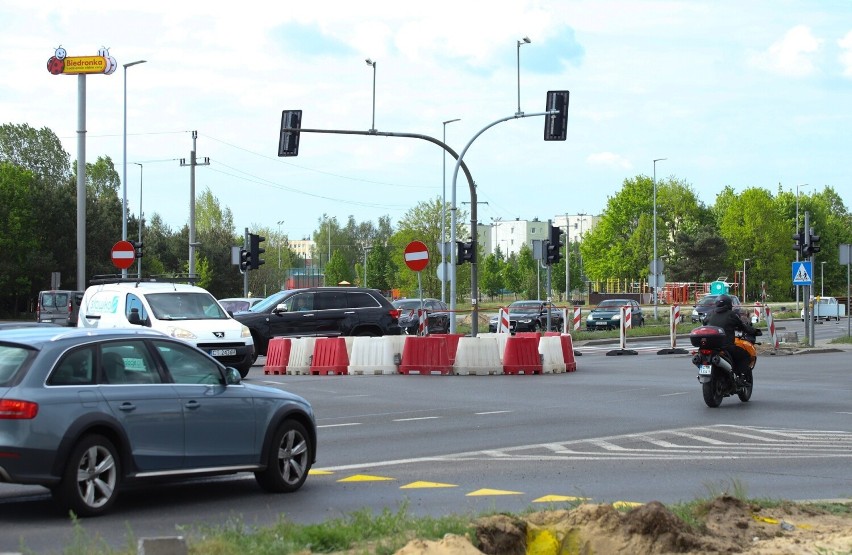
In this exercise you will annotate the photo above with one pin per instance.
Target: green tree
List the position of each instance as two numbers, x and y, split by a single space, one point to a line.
338 270
491 276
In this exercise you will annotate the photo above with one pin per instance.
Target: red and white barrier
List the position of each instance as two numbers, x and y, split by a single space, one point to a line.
577 316
423 327
674 320
626 312
625 323
503 321
770 324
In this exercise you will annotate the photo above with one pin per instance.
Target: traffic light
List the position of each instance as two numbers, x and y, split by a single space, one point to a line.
554 245
255 250
138 247
465 252
245 260
556 125
288 142
799 244
813 243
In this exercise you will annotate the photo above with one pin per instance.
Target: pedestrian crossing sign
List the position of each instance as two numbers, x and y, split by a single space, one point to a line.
802 273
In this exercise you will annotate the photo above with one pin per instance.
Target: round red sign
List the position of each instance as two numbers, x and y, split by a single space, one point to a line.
416 256
123 254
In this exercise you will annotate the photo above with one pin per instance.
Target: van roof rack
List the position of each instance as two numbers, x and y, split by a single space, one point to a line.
118 278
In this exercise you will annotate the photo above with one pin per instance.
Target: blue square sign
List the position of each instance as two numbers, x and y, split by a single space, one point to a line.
802 272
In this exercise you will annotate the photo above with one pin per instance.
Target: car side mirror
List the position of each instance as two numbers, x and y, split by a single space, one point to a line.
232 376
280 308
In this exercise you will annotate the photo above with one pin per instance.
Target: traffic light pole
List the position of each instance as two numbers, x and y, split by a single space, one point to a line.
474 293
474 277
246 271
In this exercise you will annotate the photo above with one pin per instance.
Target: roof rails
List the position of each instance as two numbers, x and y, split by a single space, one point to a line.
118 278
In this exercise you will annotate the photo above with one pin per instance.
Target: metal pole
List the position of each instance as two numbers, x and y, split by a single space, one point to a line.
139 260
124 163
656 270
822 279
525 40
744 279
459 162
373 64
444 214
567 260
81 182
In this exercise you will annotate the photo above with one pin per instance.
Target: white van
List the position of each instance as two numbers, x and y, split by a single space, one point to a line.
177 309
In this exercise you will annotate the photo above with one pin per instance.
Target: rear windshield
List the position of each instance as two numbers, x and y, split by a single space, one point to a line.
12 359
54 300
177 305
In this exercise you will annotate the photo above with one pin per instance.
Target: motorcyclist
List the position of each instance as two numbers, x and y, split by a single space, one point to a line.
723 316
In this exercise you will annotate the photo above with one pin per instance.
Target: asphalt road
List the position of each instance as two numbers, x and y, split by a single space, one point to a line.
621 428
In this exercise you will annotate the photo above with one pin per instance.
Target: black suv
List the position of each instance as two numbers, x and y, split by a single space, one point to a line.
320 311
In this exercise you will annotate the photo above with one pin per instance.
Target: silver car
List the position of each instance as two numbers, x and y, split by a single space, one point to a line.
84 411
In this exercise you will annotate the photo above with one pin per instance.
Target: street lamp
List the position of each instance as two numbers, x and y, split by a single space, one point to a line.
525 40
139 260
822 279
655 263
124 176
744 279
797 230
366 250
373 64
444 216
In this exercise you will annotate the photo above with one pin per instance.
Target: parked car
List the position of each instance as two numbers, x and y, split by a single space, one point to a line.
607 315
437 314
58 307
320 311
708 303
530 316
84 411
239 304
184 311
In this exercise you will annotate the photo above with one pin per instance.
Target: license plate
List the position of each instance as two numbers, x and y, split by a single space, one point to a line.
223 352
600 324
704 370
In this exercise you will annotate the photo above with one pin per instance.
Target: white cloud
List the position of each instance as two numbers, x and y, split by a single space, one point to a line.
609 159
846 55
792 55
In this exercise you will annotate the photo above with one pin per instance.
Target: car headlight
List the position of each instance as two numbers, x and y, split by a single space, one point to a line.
245 332
590 317
525 320
180 333
615 317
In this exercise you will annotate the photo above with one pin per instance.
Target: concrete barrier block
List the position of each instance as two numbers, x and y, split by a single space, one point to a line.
479 356
162 546
373 355
553 360
301 353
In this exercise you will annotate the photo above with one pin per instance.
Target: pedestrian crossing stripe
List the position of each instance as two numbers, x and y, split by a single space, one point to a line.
801 275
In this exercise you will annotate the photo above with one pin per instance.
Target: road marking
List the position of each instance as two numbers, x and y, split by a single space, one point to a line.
492 412
486 491
416 418
673 394
420 485
366 478
339 425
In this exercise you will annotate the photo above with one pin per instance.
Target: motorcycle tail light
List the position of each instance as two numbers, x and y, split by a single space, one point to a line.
706 351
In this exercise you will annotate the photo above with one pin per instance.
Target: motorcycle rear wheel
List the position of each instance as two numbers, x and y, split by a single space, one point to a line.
712 391
745 393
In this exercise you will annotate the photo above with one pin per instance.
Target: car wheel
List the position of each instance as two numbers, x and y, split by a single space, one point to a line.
288 460
89 484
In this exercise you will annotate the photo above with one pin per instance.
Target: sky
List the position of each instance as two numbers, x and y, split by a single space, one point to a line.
727 93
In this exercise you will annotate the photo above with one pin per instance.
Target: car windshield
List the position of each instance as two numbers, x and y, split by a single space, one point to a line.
708 301
177 305
270 302
235 306
407 304
613 303
525 308
12 359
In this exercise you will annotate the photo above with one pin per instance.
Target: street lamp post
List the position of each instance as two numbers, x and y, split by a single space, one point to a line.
744 279
280 281
444 215
822 279
655 263
366 250
124 176
372 63
139 260
797 230
525 40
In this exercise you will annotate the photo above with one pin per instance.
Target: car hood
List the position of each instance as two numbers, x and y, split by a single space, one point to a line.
608 311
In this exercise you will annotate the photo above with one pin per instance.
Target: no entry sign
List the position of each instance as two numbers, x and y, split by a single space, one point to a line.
416 256
123 254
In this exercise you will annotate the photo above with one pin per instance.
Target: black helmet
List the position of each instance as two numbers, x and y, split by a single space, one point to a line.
724 302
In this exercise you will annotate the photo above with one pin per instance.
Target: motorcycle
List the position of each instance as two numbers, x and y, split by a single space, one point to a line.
716 372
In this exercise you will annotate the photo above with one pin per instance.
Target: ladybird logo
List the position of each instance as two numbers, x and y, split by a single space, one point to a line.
62 64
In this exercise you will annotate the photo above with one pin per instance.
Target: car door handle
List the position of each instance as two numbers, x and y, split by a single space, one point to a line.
192 405
349 312
307 315
127 407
